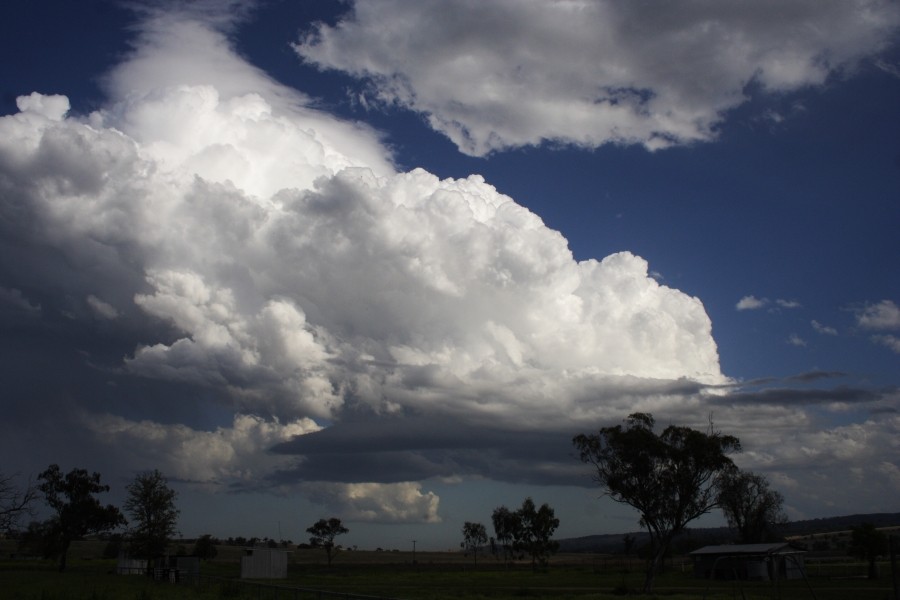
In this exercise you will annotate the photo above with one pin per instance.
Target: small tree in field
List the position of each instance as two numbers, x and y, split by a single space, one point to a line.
474 536
151 506
670 478
78 512
205 547
752 508
506 525
323 533
536 527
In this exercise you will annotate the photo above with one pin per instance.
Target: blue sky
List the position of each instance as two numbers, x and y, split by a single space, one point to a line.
382 260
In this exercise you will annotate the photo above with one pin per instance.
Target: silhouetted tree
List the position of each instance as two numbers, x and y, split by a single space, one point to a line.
151 506
78 512
670 478
205 547
474 536
751 507
40 539
536 530
868 543
15 501
506 524
527 530
323 533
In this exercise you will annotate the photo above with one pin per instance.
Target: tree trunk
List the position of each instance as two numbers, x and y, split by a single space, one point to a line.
64 551
658 557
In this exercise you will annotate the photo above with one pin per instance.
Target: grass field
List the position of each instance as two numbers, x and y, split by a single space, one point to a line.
435 576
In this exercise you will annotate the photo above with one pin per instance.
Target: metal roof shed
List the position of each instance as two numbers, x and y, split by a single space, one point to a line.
749 561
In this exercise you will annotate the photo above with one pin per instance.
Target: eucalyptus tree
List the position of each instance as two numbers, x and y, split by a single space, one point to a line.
323 533
670 478
154 516
752 508
77 512
474 537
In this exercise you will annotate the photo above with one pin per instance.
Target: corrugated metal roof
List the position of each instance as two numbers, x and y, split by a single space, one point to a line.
741 549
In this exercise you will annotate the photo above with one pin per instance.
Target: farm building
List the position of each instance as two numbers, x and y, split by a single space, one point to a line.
173 568
764 562
264 563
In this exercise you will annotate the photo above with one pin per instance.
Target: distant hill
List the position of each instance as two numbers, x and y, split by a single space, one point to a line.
614 543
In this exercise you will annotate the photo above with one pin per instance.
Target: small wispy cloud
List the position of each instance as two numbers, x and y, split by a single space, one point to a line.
796 340
16 300
891 341
823 329
101 308
751 303
788 303
889 68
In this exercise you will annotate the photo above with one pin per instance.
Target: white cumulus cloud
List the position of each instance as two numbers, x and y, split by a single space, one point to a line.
376 502
506 73
751 303
881 315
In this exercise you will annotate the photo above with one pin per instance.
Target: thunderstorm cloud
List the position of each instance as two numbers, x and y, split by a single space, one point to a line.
244 291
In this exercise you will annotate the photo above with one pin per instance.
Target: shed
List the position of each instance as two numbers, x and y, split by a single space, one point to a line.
764 562
130 566
264 563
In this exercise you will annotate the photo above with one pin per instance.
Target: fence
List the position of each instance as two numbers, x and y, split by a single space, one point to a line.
243 589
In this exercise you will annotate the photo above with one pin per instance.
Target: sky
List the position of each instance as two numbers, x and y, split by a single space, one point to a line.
382 260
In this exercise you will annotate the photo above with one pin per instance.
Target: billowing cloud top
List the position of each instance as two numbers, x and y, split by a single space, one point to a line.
492 75
269 253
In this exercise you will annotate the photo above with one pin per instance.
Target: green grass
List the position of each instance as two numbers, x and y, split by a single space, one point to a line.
436 576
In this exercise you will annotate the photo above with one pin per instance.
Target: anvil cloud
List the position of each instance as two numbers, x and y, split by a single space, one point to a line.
211 274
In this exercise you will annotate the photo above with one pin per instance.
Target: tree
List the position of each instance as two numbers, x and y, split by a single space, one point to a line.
205 547
474 536
536 527
506 524
40 539
670 478
751 507
15 503
323 533
77 511
151 506
868 543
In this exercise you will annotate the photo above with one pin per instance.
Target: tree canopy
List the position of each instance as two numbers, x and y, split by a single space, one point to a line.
323 533
751 507
474 536
670 478
528 530
77 512
536 530
151 506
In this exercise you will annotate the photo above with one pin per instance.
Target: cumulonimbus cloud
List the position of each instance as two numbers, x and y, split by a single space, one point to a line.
270 254
506 73
232 240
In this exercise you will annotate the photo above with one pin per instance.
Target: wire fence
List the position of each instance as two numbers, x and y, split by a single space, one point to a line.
228 587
